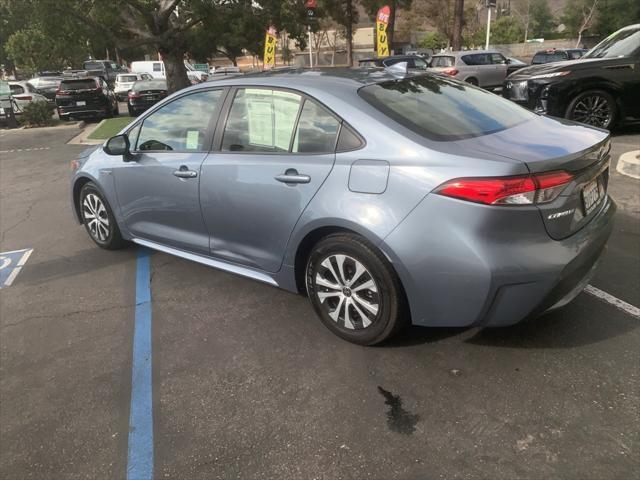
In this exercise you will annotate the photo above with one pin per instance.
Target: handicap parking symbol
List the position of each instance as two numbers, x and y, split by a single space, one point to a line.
11 263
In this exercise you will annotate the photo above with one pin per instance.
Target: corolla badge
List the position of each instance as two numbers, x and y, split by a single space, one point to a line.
554 216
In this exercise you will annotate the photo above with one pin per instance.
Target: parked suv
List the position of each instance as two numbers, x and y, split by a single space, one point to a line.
485 68
107 69
557 55
600 89
414 62
85 97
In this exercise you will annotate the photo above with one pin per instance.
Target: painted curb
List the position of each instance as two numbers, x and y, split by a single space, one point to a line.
629 164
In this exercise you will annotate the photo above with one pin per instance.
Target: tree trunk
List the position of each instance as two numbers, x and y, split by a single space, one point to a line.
175 70
391 25
456 34
349 32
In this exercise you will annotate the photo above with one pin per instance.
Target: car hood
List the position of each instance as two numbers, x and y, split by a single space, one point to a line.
571 65
542 143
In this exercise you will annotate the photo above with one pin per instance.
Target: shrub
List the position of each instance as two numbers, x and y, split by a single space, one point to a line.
38 114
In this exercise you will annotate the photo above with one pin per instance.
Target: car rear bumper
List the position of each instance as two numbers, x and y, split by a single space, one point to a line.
465 264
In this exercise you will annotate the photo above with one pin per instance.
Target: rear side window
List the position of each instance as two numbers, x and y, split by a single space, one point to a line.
261 120
442 62
348 140
16 89
127 78
83 84
181 125
477 59
317 130
157 67
441 109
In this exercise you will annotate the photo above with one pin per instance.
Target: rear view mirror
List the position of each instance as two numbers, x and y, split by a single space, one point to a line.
118 145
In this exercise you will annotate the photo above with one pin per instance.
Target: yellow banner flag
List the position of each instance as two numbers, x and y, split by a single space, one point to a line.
382 20
270 42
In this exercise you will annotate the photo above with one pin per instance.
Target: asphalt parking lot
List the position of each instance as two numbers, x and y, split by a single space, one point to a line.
247 383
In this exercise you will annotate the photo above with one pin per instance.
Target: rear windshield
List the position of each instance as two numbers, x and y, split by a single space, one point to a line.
442 61
127 78
548 57
443 109
83 84
48 81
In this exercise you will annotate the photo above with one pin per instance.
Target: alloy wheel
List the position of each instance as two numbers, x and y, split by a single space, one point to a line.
96 217
347 291
593 110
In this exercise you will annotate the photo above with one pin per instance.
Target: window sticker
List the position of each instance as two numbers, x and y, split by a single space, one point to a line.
192 139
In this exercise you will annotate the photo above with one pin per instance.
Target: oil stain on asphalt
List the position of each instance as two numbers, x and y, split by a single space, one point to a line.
398 419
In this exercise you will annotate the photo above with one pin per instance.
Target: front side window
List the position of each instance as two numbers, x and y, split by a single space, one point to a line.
419 63
261 120
442 109
317 130
498 59
16 89
181 125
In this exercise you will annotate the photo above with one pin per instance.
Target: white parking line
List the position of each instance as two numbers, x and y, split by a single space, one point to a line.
616 302
24 149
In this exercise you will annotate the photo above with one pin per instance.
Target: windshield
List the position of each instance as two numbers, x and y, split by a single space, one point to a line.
548 57
441 109
623 43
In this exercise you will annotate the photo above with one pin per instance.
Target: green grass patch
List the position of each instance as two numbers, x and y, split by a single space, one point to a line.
109 128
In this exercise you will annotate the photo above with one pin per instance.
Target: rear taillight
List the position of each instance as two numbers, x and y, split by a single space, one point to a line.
23 97
521 190
450 71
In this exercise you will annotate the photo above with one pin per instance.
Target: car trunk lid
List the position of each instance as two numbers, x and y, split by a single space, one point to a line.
543 147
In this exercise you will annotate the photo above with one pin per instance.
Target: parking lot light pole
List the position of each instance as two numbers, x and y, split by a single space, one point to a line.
490 4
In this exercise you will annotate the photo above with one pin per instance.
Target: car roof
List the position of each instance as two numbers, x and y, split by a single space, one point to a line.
343 78
463 52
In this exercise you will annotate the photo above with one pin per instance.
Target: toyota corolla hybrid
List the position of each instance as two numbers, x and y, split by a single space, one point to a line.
386 199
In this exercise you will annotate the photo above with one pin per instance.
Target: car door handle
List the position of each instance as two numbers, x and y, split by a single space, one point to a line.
292 176
184 172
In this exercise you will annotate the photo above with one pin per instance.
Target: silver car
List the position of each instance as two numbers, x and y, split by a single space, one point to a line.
23 93
386 199
485 68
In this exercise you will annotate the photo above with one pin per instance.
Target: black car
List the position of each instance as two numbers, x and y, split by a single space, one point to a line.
414 62
46 86
85 97
601 89
144 94
557 55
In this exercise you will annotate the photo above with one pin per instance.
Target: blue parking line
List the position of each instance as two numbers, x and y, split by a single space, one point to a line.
140 449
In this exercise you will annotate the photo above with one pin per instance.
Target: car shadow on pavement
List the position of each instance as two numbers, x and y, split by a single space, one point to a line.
81 262
584 322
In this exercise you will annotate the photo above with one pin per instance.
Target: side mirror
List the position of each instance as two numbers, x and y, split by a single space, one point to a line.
119 145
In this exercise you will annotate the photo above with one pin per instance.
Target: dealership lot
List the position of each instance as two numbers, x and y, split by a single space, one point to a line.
247 383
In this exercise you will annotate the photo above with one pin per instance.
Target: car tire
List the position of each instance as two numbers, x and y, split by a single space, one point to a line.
132 112
354 290
98 218
472 81
593 107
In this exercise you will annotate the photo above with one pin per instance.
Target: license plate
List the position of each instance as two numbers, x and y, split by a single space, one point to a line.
81 104
591 196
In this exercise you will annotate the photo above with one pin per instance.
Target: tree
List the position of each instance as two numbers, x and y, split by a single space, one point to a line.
522 10
504 30
578 16
372 7
542 20
615 14
433 41
458 21
345 14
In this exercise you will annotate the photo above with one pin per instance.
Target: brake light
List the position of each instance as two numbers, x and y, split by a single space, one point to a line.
520 190
450 71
